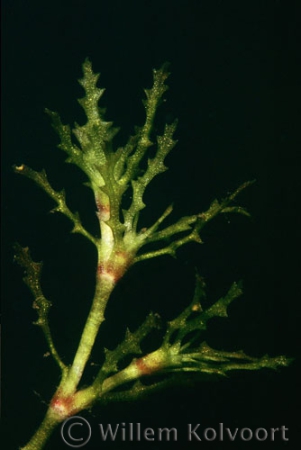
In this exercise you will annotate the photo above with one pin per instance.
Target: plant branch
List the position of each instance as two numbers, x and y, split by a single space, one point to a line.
40 304
129 346
59 197
110 174
153 97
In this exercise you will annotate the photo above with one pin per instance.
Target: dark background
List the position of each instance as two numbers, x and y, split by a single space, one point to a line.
235 90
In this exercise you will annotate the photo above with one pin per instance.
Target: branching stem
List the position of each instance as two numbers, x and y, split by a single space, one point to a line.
110 175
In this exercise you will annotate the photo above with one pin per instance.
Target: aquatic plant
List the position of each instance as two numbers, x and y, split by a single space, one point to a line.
122 243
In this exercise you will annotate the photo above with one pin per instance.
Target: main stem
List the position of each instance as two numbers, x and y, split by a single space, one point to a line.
104 288
43 433
68 400
65 401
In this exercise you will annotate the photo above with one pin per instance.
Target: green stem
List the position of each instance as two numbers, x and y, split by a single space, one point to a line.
42 434
69 383
103 291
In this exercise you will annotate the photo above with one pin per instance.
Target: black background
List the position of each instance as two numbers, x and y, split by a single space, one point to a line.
235 90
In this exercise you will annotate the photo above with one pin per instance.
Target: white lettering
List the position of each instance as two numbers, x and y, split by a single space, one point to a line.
283 430
168 431
108 432
273 433
249 432
149 434
265 434
221 431
212 431
232 436
193 432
